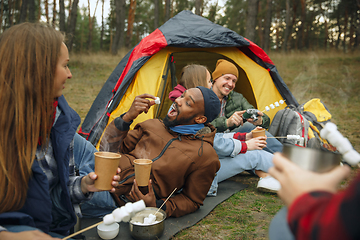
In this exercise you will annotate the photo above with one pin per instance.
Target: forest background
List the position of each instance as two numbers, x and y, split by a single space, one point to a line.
274 25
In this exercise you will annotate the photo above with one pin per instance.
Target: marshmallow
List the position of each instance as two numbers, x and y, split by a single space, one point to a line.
150 219
129 207
352 157
108 219
277 104
272 106
335 138
281 101
139 206
330 126
267 108
345 146
293 137
157 100
324 133
125 215
117 215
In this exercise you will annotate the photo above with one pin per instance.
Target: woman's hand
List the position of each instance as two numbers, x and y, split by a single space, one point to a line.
296 181
87 182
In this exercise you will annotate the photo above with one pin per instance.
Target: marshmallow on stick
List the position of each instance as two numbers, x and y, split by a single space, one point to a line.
124 213
341 143
157 100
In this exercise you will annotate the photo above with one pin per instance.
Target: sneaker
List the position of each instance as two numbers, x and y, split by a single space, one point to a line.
268 184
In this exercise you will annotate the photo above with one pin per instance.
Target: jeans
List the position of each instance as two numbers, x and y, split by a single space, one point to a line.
232 163
23 228
279 228
272 146
101 203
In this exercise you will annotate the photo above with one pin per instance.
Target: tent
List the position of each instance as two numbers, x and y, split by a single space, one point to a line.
155 63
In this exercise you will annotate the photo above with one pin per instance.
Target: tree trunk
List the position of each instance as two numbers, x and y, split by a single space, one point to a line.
260 28
156 14
357 38
1 14
47 10
31 6
167 10
302 25
131 18
102 25
345 29
23 11
287 28
198 5
89 42
72 25
10 12
251 19
39 11
54 13
62 15
267 26
120 22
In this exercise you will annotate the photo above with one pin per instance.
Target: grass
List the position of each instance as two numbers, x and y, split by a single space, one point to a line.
331 76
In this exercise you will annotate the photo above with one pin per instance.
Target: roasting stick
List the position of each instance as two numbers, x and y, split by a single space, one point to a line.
165 201
82 230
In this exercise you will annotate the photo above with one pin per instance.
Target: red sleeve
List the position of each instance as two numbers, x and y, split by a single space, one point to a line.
240 136
323 215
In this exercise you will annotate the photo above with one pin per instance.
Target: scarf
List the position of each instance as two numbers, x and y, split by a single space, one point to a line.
188 129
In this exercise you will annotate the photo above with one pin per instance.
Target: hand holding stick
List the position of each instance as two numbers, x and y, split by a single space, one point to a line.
82 230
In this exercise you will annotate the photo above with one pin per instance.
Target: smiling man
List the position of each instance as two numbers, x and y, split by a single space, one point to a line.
234 104
180 147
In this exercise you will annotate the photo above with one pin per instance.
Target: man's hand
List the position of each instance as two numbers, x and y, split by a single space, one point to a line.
259 121
140 104
235 119
296 181
135 195
36 235
87 182
256 143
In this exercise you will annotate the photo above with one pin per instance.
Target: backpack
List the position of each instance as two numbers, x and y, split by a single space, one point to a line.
289 121
306 120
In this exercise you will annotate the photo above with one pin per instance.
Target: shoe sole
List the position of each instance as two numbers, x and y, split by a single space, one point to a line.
262 189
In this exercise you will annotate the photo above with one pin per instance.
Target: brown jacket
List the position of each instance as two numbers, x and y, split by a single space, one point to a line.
189 163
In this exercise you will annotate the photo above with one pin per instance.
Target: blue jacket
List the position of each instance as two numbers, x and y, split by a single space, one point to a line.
37 209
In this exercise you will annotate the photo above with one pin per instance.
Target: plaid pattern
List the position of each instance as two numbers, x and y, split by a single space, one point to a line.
222 107
322 215
48 164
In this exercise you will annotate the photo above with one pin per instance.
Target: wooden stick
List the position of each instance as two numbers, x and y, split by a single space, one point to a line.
165 201
82 230
277 137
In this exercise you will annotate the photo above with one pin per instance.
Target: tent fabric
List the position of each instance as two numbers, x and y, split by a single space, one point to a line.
153 64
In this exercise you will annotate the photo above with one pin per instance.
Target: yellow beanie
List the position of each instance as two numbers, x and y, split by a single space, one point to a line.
224 67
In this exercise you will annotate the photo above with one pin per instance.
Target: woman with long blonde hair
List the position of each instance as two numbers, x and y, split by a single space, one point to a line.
38 140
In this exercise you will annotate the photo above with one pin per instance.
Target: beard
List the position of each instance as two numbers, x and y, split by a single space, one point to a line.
172 123
168 123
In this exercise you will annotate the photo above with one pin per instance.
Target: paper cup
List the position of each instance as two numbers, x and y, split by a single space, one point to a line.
106 165
258 132
142 171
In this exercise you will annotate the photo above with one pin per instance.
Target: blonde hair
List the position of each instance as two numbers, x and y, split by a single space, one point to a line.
193 75
29 53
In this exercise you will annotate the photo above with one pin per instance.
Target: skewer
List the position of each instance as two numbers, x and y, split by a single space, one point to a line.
165 201
82 230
